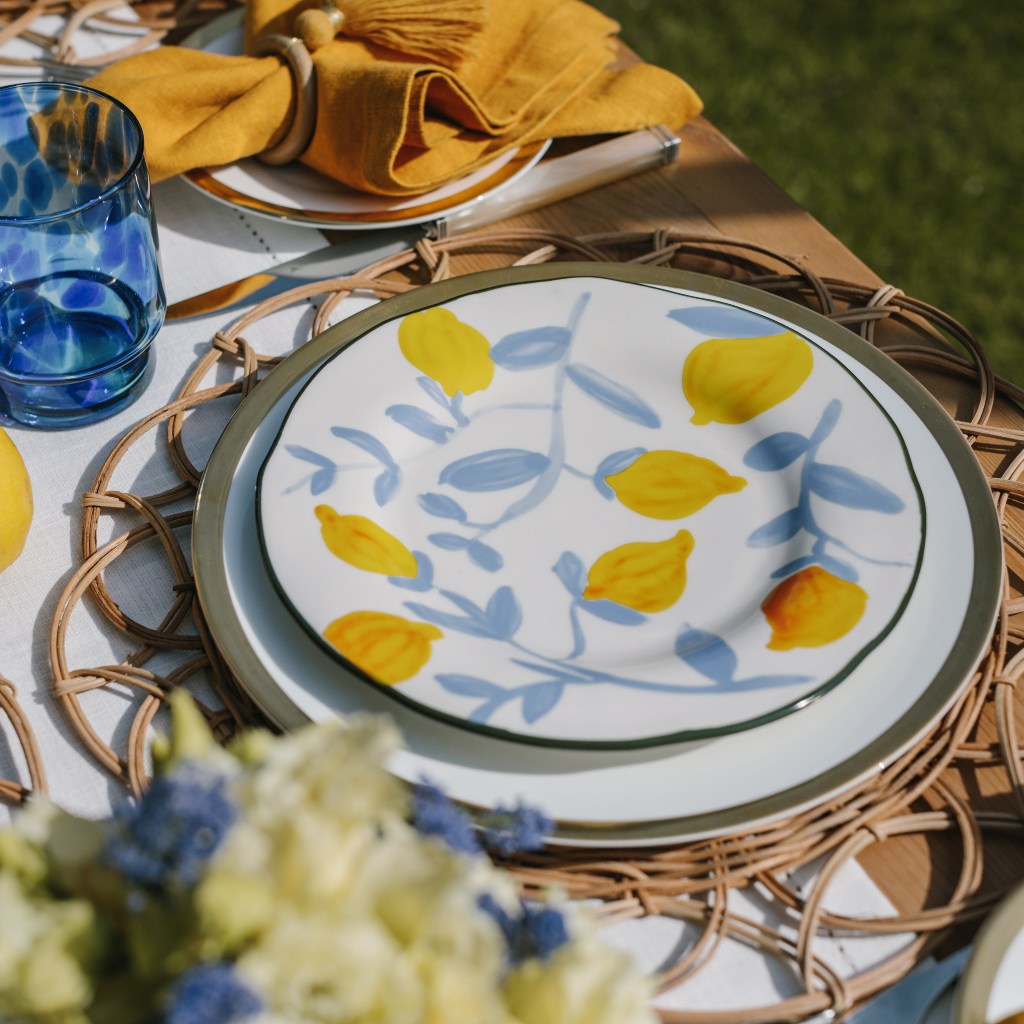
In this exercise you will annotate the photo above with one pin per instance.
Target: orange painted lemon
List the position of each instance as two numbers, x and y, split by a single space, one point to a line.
454 354
732 380
812 608
362 543
387 647
648 577
670 485
15 502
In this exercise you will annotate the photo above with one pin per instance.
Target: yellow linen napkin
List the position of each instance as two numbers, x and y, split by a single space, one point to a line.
388 122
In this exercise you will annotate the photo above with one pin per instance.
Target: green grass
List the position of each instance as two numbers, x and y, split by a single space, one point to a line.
898 123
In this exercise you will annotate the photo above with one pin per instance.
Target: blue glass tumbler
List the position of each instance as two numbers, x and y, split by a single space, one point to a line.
81 295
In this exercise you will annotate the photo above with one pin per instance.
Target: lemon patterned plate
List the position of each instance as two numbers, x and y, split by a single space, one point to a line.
592 513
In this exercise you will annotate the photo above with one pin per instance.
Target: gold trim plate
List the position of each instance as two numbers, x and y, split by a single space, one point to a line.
526 155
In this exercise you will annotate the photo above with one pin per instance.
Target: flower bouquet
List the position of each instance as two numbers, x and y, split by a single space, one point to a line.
291 881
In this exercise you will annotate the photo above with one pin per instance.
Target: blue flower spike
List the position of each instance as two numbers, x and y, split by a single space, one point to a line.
211 994
539 931
168 836
433 814
511 831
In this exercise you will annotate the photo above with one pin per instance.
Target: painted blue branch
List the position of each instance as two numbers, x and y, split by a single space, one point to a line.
833 483
545 482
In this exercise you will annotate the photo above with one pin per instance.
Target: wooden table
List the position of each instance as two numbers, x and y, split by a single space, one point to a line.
714 189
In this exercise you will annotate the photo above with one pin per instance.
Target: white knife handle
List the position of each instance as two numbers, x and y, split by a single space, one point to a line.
553 180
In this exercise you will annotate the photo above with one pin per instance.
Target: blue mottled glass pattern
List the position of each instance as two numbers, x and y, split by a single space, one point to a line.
81 295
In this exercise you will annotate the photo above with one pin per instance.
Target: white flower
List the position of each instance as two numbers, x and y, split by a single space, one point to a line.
584 982
333 767
322 970
46 948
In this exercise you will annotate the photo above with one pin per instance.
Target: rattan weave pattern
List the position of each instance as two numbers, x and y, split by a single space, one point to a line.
690 881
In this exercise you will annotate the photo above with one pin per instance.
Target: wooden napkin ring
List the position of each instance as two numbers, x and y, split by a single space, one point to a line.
300 132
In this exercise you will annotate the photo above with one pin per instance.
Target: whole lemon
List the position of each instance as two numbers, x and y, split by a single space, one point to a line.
15 502
454 354
670 485
732 380
648 577
812 608
387 647
362 543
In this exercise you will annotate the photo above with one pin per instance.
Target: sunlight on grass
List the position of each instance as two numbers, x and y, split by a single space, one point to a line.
900 126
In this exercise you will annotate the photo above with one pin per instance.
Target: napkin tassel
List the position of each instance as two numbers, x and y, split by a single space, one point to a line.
440 30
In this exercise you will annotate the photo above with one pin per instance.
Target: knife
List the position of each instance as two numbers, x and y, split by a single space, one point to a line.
549 182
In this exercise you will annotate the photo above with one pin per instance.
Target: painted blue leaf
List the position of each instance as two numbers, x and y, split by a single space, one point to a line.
776 452
322 480
843 486
442 506
455 408
484 556
571 571
725 322
612 464
494 470
433 389
778 531
386 484
540 699
525 350
419 422
616 397
309 456
367 442
708 654
467 686
795 566
474 611
579 641
503 613
839 568
424 578
449 621
828 421
449 541
612 612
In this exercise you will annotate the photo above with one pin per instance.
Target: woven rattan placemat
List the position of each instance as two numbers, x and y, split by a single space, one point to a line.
922 792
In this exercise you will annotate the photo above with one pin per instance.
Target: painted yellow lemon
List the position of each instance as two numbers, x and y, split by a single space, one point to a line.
454 354
670 485
645 576
387 647
812 608
732 380
15 502
362 543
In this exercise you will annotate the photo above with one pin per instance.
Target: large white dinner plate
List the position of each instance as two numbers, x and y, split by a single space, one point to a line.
299 195
631 519
661 794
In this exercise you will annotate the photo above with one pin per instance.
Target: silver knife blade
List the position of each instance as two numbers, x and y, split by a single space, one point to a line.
338 260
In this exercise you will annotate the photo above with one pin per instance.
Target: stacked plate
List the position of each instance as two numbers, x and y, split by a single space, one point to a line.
659 553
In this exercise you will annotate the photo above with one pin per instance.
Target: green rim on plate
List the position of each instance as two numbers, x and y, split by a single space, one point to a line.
214 592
